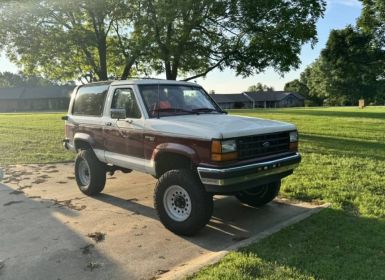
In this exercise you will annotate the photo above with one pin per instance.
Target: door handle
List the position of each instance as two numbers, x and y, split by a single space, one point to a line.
129 121
109 124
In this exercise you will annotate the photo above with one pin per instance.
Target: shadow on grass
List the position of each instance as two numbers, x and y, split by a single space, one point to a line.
329 245
343 147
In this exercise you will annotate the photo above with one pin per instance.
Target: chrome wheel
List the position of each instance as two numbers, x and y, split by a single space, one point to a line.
84 173
177 203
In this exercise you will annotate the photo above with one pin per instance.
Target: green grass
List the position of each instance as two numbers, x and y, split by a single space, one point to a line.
32 138
343 163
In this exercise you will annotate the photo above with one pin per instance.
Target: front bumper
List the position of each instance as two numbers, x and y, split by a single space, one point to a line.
226 180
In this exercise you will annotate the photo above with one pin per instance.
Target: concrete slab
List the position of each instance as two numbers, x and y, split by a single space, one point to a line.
45 222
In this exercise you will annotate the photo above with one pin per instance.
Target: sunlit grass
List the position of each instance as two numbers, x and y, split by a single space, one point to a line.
32 138
343 163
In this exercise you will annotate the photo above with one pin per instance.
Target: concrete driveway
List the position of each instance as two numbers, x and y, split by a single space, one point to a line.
50 230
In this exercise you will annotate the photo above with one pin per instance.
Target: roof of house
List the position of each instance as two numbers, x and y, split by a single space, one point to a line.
230 98
272 95
36 93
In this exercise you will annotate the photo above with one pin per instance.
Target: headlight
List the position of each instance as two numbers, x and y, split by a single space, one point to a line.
293 136
229 146
224 150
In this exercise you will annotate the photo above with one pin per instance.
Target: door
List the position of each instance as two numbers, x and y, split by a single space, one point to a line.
123 135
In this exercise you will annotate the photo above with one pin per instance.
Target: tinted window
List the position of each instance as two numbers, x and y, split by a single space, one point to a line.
125 99
90 100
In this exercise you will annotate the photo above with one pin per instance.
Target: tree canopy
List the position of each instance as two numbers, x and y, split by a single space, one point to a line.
10 80
350 67
260 87
298 87
102 39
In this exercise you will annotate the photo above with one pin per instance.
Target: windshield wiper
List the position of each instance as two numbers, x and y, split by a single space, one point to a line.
175 110
205 110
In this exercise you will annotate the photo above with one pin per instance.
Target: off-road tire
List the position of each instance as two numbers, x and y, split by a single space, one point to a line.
190 186
96 179
260 195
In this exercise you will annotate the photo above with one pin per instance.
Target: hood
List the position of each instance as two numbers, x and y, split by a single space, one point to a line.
216 126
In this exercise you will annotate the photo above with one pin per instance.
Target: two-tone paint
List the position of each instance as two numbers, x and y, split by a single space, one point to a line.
136 143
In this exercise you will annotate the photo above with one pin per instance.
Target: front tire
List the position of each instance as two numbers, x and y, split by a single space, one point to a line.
182 204
90 173
261 195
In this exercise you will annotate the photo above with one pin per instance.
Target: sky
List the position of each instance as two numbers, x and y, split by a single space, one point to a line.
339 13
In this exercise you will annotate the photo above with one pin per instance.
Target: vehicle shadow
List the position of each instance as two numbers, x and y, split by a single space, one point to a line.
231 221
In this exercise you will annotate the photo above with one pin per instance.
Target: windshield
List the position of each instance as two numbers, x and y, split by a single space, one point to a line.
173 100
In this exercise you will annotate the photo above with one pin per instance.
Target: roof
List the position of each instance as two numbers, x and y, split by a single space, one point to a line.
11 93
230 98
36 93
151 82
272 95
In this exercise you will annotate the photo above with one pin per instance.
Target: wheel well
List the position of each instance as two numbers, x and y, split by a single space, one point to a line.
82 145
169 161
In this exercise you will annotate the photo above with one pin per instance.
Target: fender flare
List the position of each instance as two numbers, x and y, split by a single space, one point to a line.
85 138
178 149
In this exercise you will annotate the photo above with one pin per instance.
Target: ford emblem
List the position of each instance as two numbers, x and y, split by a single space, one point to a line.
266 144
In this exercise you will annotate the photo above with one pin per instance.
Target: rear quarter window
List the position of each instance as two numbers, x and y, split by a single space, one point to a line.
89 100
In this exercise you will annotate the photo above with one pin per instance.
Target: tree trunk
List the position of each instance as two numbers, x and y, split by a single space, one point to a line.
102 49
170 75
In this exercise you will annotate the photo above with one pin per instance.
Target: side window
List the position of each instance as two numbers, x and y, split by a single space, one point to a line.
89 100
125 99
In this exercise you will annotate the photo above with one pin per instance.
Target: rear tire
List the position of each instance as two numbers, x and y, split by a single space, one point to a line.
90 173
261 195
182 204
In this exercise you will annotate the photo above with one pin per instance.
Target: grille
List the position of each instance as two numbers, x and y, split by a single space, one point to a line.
263 145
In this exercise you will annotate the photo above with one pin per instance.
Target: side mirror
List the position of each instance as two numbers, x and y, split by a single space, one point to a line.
118 114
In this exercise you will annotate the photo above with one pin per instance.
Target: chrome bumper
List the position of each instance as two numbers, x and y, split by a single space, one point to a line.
246 173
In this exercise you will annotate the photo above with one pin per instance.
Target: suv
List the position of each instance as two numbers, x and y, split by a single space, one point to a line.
175 132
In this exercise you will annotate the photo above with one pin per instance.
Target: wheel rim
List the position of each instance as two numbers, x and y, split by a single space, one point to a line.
177 203
84 173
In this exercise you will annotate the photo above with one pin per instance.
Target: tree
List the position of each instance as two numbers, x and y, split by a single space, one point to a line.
259 87
349 68
298 87
9 80
355 64
316 79
372 19
109 38
193 37
70 39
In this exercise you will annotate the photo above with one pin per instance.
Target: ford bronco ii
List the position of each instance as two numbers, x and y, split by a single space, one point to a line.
175 132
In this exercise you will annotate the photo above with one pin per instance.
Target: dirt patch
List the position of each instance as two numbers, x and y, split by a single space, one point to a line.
13 202
97 236
68 203
16 192
86 250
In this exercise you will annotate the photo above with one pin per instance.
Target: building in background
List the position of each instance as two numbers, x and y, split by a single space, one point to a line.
266 99
55 98
233 101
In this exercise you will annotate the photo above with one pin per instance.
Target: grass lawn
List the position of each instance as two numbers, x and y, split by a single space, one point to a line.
343 163
32 138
